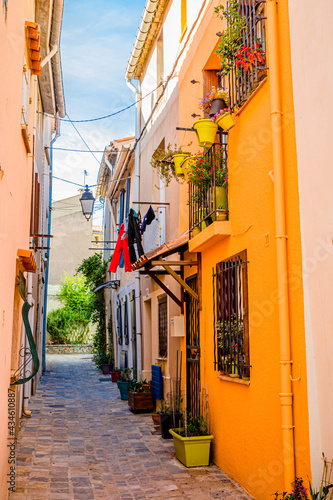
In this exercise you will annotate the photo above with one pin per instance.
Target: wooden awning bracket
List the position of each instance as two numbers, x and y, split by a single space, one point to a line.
166 289
181 281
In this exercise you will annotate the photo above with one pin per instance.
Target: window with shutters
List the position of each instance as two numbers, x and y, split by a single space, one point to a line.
126 332
232 354
163 327
121 206
119 323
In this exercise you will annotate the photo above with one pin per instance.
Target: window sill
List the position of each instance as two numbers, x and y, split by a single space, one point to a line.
234 380
161 359
215 232
261 84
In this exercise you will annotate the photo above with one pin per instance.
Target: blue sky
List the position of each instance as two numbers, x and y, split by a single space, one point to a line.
96 41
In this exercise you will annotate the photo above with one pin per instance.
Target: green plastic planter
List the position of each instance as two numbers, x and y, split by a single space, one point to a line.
123 388
192 451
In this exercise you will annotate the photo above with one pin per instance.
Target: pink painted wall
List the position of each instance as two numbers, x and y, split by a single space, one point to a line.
312 73
15 192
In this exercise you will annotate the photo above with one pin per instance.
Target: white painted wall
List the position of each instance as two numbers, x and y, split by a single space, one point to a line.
312 73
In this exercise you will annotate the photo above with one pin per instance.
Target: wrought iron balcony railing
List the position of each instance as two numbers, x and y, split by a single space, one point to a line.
249 66
209 201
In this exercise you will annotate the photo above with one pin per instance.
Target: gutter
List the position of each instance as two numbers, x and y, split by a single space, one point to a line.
58 6
141 37
286 395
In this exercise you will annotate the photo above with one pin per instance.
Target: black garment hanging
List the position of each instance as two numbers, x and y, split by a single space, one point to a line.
148 219
134 235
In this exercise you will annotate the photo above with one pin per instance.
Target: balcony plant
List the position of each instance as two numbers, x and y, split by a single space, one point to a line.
140 397
214 101
124 382
231 40
168 161
224 119
248 56
192 442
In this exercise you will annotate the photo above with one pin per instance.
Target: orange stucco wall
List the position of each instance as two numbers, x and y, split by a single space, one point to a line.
246 419
15 193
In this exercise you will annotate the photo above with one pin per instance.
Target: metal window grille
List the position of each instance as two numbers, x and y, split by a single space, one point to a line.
205 206
163 328
241 80
231 338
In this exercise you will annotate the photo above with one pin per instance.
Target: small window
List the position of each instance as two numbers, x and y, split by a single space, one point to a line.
163 328
25 95
183 19
121 206
232 356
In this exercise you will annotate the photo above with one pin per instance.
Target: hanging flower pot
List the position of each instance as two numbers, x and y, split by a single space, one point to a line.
216 106
185 165
226 121
178 160
206 131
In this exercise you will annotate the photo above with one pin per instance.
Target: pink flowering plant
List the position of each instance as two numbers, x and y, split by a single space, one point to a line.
220 113
200 169
301 493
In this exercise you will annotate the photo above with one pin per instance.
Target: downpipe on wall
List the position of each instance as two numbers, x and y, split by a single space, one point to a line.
286 395
137 198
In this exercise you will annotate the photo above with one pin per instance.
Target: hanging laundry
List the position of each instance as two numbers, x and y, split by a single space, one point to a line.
134 236
121 247
148 219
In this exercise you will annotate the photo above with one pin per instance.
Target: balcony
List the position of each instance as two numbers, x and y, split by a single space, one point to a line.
208 197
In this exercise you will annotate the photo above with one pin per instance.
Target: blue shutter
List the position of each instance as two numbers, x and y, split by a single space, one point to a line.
128 192
121 206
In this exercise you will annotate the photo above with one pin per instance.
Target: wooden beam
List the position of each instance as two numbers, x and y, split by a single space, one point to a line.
166 289
174 262
181 282
159 272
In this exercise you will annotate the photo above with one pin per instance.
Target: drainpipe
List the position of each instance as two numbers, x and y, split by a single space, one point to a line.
137 198
28 364
286 395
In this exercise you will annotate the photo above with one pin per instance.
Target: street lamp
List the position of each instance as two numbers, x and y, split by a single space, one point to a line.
87 203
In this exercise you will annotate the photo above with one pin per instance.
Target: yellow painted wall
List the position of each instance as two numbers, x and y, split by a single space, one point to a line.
246 419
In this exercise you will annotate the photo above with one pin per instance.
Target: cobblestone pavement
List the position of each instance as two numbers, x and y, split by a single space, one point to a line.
83 442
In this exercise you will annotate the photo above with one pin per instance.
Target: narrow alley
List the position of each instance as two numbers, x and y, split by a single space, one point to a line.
83 442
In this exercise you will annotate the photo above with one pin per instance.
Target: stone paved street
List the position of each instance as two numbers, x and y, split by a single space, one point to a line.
83 442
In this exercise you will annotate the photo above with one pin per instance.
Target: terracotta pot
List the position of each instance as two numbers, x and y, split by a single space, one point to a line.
115 376
106 368
216 106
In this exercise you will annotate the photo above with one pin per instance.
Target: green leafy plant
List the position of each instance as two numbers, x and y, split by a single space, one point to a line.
59 325
127 375
300 492
93 269
200 169
196 426
162 161
231 40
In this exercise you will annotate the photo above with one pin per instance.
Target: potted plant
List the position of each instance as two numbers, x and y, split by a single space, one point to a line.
214 101
124 383
140 398
168 162
249 56
206 131
224 119
168 419
192 442
115 374
231 40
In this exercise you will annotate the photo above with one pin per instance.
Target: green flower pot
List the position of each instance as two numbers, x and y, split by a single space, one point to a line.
123 388
192 451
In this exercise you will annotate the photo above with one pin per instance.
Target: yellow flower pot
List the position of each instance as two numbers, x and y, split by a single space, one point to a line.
192 451
206 132
185 164
226 121
178 162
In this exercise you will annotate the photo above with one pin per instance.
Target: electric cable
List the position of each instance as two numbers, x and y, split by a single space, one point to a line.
83 139
112 114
